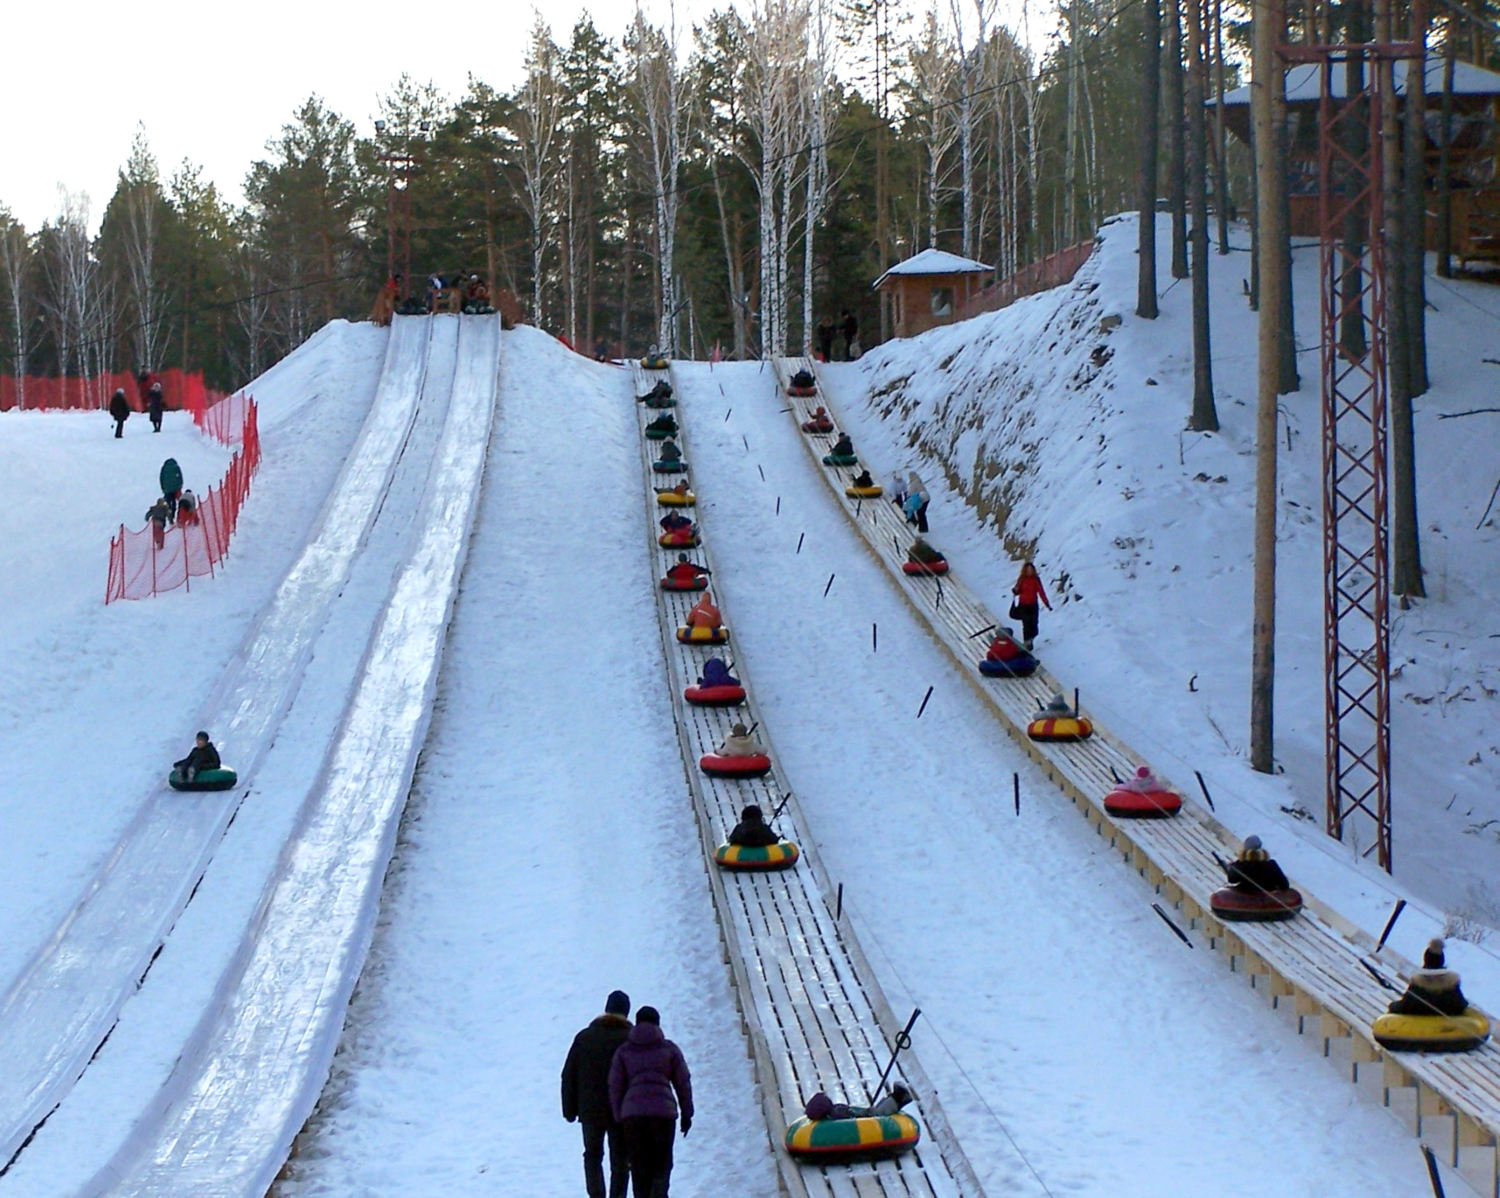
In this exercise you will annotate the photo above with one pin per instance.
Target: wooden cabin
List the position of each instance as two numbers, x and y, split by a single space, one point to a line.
931 288
1473 177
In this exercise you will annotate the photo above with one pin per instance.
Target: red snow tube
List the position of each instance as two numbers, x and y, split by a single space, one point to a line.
817 426
920 568
679 538
715 696
693 584
1233 905
735 767
1136 804
802 392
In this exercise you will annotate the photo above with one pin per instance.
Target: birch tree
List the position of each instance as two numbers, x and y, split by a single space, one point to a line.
969 57
538 111
15 269
140 231
816 83
933 68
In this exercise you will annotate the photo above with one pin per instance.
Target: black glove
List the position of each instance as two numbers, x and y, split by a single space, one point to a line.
687 1124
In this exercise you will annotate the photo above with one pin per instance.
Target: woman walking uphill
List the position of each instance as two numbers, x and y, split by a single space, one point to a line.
649 1086
1030 594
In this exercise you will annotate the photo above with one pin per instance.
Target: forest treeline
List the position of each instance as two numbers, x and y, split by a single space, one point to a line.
725 184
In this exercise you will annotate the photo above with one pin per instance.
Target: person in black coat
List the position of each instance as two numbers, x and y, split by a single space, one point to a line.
752 832
1255 871
850 328
119 411
154 404
825 338
203 757
585 1096
1433 989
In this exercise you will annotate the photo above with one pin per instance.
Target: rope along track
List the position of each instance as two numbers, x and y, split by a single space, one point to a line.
813 1012
1311 968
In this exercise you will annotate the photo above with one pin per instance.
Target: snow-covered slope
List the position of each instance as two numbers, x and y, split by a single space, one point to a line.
1043 434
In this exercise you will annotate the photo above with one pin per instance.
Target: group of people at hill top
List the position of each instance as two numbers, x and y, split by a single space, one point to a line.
152 403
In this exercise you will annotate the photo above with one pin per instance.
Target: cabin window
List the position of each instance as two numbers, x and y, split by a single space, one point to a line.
942 301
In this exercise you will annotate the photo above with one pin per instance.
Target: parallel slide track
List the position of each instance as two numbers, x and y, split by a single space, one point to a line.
1311 968
250 1075
64 1003
814 1014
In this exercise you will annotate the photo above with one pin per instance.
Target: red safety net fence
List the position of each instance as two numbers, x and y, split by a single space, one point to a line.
180 391
153 560
1051 271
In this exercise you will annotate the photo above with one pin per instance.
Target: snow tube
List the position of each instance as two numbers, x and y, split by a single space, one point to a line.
657 402
675 466
821 427
702 636
660 434
735 767
1135 804
874 492
872 1138
802 392
1432 1033
715 696
1233 905
681 538
840 459
1017 667
696 584
221 779
1067 727
782 855
655 362
673 499
919 569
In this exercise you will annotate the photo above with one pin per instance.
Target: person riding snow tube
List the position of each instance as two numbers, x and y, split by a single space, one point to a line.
201 769
678 496
923 559
677 532
705 624
803 384
754 845
661 428
864 487
1057 721
835 1132
739 756
1258 891
716 688
670 461
1143 797
685 576
821 422
842 453
660 395
1006 659
1432 1015
655 360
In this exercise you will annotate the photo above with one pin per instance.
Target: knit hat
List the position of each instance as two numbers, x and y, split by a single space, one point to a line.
1432 958
753 812
648 1015
739 730
1252 843
618 1003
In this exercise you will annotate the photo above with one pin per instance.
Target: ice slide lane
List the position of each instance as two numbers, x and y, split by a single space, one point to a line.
257 1061
63 1004
815 1014
1312 969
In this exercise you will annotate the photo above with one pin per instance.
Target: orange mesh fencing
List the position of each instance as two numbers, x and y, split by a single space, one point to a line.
180 390
152 560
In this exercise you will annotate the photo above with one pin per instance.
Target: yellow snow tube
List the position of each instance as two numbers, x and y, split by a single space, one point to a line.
874 492
1432 1033
673 499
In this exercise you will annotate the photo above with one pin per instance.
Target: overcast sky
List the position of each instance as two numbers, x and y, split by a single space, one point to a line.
214 81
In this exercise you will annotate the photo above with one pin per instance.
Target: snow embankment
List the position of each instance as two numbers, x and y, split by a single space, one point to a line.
1045 434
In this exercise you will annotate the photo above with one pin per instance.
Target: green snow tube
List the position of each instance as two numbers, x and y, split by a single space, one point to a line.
220 779
840 459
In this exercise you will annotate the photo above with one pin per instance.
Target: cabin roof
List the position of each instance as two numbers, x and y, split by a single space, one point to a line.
935 262
1302 82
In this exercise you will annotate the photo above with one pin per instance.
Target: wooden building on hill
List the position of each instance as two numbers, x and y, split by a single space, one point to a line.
1473 177
931 288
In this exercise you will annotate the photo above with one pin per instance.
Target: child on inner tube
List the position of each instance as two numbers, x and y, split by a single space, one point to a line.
752 832
669 451
716 673
1005 647
705 614
923 553
820 1106
1433 989
739 743
671 522
685 571
1253 871
203 756
863 479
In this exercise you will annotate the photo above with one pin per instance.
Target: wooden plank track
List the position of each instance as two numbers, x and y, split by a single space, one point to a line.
814 1015
1310 967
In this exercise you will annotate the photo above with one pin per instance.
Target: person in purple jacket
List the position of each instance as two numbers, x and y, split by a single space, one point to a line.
649 1085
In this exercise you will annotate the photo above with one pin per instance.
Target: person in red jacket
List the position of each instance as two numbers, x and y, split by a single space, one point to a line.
1030 596
686 572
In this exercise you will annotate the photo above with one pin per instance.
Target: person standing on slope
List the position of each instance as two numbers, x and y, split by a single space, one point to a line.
1030 594
171 484
647 1072
915 505
119 411
585 1096
825 338
850 329
154 406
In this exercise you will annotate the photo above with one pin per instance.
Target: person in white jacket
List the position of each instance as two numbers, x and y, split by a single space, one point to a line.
739 743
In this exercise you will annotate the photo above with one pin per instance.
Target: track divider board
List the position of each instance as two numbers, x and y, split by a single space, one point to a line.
814 1014
1311 966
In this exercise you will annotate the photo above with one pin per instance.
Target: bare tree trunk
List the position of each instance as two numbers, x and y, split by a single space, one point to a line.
1221 139
1266 84
1070 145
1176 150
1413 199
1145 289
1287 371
1445 191
1205 417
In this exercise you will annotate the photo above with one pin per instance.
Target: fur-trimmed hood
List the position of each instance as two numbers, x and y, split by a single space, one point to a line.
1435 980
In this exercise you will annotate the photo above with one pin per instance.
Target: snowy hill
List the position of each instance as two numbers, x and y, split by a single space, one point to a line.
1068 443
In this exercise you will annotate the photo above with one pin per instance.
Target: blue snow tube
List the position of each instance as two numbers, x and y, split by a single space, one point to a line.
1017 667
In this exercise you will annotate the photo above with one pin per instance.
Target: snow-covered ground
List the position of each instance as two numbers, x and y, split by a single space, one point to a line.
1041 434
549 854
